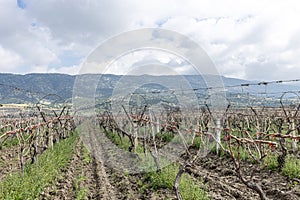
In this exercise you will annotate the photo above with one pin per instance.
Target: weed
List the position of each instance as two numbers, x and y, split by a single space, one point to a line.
291 168
270 162
86 154
80 193
189 189
37 176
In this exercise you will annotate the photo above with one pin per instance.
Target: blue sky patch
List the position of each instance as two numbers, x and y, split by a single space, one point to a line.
21 4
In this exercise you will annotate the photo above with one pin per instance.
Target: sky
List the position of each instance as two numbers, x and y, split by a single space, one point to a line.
250 39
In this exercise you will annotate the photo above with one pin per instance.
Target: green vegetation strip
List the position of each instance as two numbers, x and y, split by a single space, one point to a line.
38 176
189 188
81 192
291 167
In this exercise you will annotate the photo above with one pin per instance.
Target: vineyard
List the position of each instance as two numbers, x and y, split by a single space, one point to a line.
256 144
146 150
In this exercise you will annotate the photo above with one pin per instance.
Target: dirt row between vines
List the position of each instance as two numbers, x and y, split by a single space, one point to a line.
98 180
222 183
119 185
82 174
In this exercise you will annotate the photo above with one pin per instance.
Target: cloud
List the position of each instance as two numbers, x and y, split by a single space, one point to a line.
72 70
242 38
152 62
9 60
31 46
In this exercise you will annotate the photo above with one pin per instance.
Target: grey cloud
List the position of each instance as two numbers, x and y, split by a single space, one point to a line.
79 20
240 40
271 71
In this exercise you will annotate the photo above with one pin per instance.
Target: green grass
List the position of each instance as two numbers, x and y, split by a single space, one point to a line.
122 144
80 193
270 162
11 141
244 154
189 189
86 154
165 137
197 142
165 178
37 176
291 168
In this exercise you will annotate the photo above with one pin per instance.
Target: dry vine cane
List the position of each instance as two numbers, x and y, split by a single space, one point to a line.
31 138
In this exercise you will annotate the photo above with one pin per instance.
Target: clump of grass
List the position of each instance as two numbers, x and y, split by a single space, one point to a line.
189 189
114 138
11 141
270 162
124 143
37 176
86 154
197 142
165 178
291 168
80 192
165 136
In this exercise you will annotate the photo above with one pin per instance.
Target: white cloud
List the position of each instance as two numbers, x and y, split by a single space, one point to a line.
72 70
153 62
31 46
9 60
241 37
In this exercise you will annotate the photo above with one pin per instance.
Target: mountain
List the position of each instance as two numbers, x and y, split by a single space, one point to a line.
32 87
59 87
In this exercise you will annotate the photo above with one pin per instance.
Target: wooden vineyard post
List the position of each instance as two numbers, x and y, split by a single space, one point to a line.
36 135
50 138
130 128
135 135
22 163
155 155
218 138
294 142
145 138
57 133
157 125
22 151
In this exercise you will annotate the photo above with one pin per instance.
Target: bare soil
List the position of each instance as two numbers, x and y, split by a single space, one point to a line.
9 161
222 183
